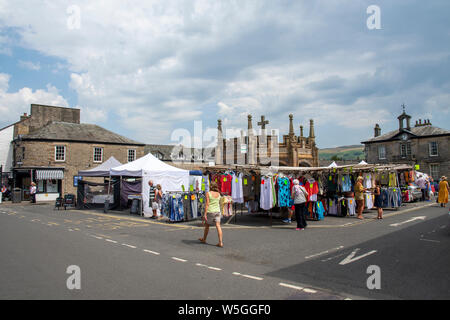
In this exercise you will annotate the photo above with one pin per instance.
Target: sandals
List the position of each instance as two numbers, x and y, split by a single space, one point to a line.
202 240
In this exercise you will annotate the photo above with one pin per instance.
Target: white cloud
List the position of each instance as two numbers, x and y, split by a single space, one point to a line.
13 104
30 65
152 66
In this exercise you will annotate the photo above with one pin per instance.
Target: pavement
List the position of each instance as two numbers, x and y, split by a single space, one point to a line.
129 257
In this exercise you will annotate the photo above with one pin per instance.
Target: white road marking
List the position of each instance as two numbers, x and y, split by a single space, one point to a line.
407 221
350 258
70 230
152 252
128 245
309 290
430 240
290 286
247 276
112 241
209 267
178 259
324 252
96 237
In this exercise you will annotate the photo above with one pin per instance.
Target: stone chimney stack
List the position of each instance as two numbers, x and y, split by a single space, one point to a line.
377 130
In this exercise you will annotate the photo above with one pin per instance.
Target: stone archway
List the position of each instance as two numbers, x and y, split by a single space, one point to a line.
304 163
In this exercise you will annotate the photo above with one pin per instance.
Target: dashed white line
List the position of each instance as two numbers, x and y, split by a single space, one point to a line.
178 259
209 267
309 290
96 237
128 245
430 240
152 252
324 252
112 241
247 276
290 286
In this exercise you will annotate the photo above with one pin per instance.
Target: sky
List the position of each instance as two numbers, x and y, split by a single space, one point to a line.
149 70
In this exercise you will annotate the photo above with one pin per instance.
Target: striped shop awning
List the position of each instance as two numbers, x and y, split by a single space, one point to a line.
49 174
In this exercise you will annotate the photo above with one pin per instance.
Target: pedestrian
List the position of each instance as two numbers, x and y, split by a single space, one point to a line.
378 199
443 191
212 214
300 195
359 197
421 183
33 192
158 200
151 199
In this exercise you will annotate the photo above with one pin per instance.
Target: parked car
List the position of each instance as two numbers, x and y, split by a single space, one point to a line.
415 191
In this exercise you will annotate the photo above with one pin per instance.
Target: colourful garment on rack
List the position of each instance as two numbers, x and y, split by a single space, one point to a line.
237 192
313 189
284 194
266 196
226 184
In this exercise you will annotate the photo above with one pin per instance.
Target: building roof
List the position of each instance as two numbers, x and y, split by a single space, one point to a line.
420 131
64 131
167 151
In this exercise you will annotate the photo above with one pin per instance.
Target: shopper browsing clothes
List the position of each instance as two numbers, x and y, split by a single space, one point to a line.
212 215
151 199
33 192
443 191
299 194
378 199
359 196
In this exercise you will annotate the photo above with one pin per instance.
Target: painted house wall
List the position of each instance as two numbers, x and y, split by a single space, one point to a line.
6 148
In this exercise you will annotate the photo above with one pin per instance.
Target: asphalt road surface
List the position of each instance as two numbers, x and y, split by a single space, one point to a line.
122 257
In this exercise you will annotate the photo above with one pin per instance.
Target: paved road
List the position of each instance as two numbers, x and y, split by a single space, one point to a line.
130 258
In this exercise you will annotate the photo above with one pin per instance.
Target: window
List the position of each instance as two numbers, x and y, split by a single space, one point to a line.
433 146
98 154
403 150
434 171
381 152
131 155
60 153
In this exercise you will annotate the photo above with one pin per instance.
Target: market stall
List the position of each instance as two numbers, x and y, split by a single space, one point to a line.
94 194
148 168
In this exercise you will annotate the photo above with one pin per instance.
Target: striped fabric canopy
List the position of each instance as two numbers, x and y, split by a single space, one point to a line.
49 174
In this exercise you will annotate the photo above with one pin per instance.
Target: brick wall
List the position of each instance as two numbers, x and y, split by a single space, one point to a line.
79 156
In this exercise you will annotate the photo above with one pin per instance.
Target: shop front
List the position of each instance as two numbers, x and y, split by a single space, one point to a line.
48 183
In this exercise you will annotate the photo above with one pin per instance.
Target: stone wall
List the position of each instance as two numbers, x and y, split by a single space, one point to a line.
42 115
79 156
419 154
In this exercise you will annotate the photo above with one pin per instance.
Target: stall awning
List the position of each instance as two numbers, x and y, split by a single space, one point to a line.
49 174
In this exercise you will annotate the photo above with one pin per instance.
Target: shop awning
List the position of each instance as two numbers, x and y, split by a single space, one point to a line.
49 174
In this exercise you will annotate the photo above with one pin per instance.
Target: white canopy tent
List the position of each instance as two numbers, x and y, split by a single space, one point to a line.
333 165
102 170
150 168
362 163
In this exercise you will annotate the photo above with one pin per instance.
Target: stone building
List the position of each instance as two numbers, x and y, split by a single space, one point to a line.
50 146
265 149
424 145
